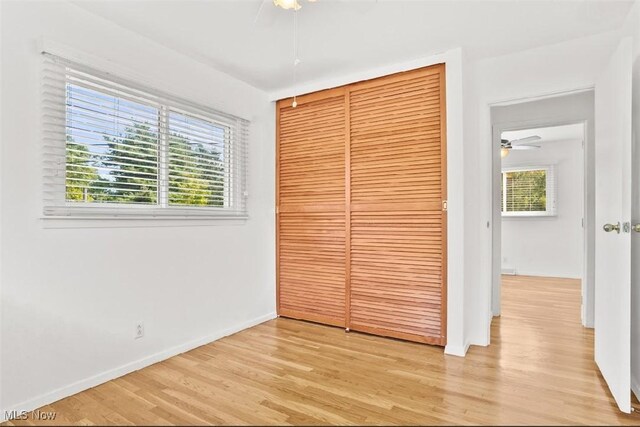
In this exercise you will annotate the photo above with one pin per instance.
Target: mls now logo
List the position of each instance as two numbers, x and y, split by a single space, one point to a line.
25 415
16 415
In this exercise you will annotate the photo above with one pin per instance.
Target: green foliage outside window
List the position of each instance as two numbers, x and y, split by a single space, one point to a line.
524 191
130 162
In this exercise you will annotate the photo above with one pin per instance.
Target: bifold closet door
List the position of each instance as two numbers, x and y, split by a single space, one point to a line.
398 208
310 167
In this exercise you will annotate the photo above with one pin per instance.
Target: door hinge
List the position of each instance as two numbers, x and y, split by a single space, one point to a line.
444 205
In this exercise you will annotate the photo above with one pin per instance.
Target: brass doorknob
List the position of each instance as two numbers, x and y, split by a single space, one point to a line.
636 228
612 227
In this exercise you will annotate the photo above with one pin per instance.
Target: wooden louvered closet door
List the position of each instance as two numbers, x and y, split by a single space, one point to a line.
311 208
397 218
361 190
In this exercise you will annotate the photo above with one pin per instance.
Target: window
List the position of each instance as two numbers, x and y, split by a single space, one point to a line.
113 148
528 191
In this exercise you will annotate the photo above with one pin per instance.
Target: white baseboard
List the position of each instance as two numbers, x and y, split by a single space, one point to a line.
635 386
456 350
487 336
519 272
111 374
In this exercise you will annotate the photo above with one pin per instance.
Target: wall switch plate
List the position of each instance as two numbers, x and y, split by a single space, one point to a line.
139 330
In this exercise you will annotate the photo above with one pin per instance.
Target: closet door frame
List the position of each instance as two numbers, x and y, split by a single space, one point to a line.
345 91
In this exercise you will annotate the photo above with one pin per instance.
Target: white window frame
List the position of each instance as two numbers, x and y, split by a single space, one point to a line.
54 137
550 189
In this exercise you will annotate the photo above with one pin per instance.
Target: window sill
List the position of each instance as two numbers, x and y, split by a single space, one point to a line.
138 221
530 216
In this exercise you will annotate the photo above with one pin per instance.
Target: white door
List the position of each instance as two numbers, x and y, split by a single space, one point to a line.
613 208
635 235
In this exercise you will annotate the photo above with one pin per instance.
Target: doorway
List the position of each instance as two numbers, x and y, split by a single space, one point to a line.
571 115
610 197
542 211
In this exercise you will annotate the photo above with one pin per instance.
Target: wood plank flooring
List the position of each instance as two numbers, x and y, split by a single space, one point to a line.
538 370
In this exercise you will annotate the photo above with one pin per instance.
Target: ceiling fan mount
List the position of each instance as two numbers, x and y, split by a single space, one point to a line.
290 4
518 144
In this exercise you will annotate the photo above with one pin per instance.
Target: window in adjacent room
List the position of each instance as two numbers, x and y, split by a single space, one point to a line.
528 191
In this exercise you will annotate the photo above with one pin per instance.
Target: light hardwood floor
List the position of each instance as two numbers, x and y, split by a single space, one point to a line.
538 370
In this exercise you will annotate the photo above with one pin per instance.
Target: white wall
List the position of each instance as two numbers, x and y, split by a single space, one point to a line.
528 74
473 226
549 246
72 295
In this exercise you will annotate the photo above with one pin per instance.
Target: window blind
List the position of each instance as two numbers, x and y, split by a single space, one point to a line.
529 191
115 148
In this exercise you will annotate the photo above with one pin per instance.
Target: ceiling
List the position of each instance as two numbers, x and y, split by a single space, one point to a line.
345 36
549 134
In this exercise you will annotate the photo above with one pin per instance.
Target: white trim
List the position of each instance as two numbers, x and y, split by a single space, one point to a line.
93 213
525 215
137 222
527 167
547 95
457 350
486 339
533 273
2 244
457 336
109 375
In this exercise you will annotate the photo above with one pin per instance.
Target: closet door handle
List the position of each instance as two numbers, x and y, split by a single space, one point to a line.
636 228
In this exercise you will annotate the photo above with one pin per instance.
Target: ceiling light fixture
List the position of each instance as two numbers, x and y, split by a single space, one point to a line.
518 144
287 4
290 4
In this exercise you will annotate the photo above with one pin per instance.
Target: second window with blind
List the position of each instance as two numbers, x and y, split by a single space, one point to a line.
528 191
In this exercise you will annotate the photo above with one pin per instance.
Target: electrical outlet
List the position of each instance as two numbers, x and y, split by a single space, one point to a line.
139 330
